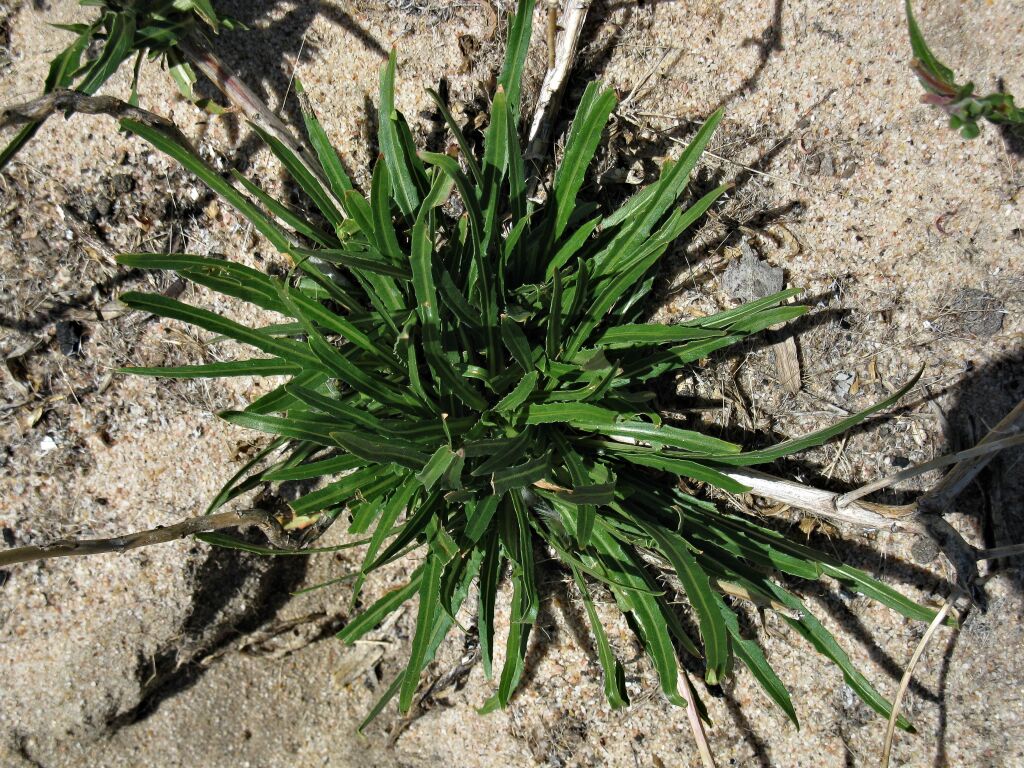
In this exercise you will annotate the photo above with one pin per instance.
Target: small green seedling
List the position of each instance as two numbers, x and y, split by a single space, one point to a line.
958 101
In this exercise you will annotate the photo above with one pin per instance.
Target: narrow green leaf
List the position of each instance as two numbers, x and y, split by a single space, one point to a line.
629 267
406 193
366 261
685 468
271 366
515 54
521 475
924 54
467 151
594 110
386 450
380 208
633 335
328 157
436 466
823 641
395 506
121 32
309 183
419 518
292 426
289 217
651 622
752 656
553 338
351 486
516 343
494 162
490 573
426 297
698 590
171 308
614 675
722 320
241 481
377 612
571 246
429 593
331 466
518 395
816 438
479 515
500 452
173 147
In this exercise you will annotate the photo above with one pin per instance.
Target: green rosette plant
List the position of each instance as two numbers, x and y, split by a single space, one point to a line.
468 378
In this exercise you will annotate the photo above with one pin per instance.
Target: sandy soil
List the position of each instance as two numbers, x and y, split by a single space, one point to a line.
185 655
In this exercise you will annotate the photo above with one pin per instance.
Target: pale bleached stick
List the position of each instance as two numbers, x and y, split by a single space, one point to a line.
693 718
824 504
554 81
866 515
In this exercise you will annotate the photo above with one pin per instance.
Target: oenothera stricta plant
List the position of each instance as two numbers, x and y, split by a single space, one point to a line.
468 378
964 108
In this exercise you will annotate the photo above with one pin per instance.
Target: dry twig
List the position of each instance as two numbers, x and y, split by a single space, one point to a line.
161 535
922 517
67 101
241 96
939 498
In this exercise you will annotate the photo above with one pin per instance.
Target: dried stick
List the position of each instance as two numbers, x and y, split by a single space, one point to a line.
923 517
554 81
1010 550
906 518
64 100
160 535
981 449
824 504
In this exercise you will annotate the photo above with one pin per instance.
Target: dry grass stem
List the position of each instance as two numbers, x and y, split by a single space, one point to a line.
693 718
890 731
938 499
982 449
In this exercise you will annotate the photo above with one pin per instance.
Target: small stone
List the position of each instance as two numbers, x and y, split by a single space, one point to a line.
924 550
971 312
841 384
69 337
750 278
